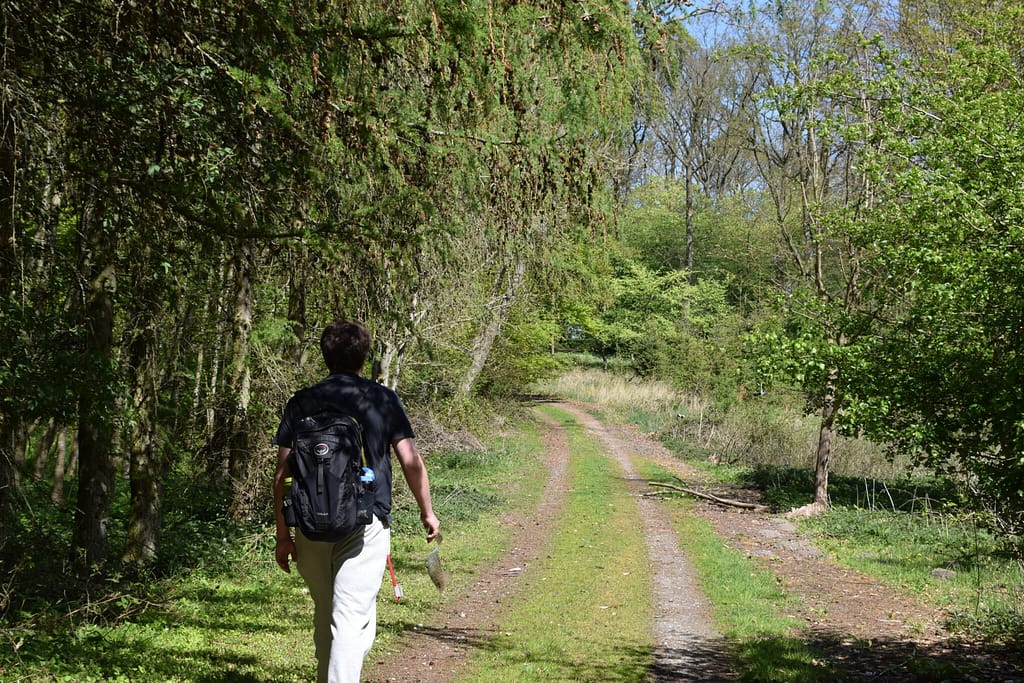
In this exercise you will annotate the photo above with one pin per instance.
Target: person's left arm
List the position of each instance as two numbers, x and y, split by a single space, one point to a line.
415 473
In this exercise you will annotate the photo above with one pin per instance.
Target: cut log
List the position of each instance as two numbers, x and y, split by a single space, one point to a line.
756 507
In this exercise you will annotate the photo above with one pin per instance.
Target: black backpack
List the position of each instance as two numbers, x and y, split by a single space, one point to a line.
332 493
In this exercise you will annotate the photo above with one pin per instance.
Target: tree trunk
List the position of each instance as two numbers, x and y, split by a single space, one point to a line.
689 227
200 418
299 349
95 482
9 479
185 331
146 467
60 466
19 445
390 363
394 344
213 397
45 446
826 435
227 445
238 439
481 350
95 405
8 267
8 183
496 318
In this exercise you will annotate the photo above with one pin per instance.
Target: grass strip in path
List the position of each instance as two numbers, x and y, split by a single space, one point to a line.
585 612
687 644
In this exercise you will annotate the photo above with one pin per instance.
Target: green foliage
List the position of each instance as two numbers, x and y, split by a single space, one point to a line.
941 373
646 305
654 230
671 324
667 327
241 174
798 351
274 333
522 355
731 236
197 533
42 371
198 626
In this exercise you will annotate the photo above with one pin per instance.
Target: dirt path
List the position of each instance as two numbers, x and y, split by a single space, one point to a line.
437 652
687 646
867 631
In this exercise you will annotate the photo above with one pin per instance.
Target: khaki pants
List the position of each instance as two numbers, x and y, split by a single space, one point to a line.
344 579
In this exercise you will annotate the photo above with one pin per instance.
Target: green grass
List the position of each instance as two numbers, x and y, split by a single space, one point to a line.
250 625
471 492
585 613
985 597
899 531
234 616
747 602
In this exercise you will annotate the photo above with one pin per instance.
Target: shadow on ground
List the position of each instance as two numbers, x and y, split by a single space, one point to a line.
835 658
904 660
224 641
705 661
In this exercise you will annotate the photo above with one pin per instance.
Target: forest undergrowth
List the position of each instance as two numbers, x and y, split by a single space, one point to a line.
214 606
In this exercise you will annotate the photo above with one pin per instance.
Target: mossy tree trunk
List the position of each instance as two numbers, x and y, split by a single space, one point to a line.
96 467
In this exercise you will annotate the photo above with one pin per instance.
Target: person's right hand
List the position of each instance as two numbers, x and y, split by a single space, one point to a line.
432 526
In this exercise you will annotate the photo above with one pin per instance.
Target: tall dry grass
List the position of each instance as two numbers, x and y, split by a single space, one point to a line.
753 432
614 391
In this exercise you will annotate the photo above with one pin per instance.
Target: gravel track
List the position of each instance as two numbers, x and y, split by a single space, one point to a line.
687 647
868 631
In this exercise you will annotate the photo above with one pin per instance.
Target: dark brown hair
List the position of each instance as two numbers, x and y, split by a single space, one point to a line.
345 346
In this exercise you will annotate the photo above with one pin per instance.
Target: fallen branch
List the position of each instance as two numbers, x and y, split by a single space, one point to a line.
756 507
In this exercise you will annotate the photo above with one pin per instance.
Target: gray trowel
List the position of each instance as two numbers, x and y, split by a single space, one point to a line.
437 574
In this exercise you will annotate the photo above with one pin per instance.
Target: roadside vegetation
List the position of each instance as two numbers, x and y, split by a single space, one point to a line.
897 524
233 615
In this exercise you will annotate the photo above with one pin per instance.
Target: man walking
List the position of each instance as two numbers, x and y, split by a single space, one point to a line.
345 576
